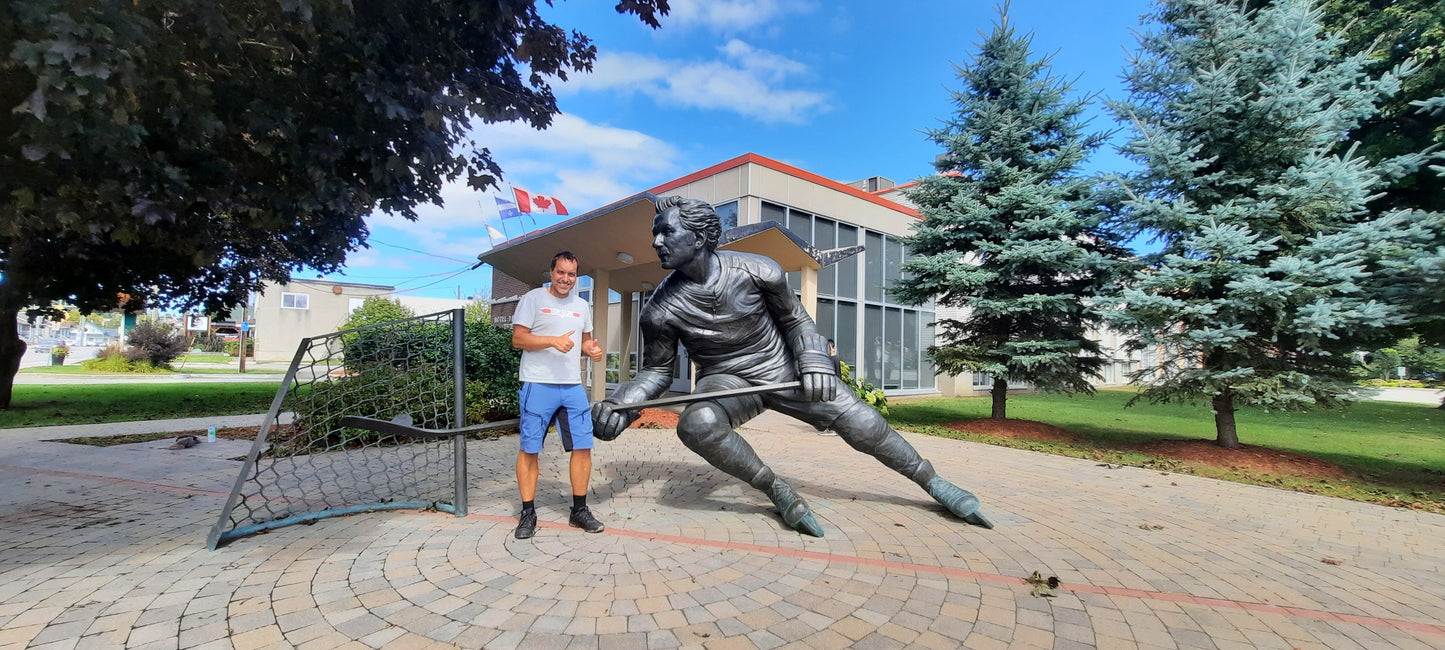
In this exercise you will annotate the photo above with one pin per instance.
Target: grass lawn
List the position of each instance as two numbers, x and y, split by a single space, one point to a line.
1394 453
41 405
205 357
78 370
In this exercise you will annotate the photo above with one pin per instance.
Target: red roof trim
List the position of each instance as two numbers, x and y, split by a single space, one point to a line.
786 169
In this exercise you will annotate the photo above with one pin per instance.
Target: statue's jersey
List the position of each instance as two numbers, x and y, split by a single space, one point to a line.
742 322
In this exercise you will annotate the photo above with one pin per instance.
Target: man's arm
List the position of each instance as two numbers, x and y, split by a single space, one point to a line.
522 337
590 347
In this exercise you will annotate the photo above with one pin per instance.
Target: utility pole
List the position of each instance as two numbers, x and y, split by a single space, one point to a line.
245 329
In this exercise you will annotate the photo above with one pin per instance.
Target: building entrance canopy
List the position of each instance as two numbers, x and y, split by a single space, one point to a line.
617 239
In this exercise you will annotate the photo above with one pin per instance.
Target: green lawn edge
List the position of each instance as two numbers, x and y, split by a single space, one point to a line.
34 405
1393 452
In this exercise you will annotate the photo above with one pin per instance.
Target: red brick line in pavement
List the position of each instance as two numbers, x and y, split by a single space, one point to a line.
118 481
1300 612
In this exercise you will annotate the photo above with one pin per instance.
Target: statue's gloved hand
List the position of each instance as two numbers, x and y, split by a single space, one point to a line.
820 386
609 420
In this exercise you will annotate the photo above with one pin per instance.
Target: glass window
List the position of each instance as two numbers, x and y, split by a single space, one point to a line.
295 300
848 269
928 377
727 214
825 237
847 330
894 264
873 344
827 317
801 223
873 267
775 212
893 348
910 348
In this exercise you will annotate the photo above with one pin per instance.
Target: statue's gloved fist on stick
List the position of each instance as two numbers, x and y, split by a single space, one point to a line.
742 326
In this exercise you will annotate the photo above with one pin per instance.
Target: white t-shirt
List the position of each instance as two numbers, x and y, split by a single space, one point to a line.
548 315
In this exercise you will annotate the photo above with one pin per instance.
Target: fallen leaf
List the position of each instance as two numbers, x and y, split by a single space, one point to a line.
1333 561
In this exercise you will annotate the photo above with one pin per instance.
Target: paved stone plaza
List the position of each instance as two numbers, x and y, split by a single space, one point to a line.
105 548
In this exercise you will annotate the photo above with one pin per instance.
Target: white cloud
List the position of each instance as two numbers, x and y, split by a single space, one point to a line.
749 82
586 165
731 15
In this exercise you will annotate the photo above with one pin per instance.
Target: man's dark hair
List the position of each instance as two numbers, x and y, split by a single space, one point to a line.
697 216
562 255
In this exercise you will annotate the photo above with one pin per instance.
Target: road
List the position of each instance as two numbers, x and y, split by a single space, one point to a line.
1429 396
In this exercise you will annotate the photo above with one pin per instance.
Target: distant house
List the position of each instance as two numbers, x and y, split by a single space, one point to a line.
287 313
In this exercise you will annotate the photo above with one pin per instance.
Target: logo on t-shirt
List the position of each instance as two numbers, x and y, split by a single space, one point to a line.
562 313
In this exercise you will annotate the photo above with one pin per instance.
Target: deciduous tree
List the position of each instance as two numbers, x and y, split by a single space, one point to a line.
184 151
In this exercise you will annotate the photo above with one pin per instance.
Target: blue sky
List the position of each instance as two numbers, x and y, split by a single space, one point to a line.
843 89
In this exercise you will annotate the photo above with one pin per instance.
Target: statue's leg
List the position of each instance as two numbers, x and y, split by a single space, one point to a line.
864 429
708 429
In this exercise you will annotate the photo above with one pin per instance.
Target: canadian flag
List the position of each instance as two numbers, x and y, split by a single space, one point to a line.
529 203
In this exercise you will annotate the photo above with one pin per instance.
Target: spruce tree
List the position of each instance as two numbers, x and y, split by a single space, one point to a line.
1262 289
1003 237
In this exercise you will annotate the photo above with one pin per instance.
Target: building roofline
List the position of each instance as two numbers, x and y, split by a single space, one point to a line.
895 188
786 169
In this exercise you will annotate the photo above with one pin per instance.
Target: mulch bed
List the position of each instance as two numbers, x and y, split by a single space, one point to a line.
1247 458
1015 429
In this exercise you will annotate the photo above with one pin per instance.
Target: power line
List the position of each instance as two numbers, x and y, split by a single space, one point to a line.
469 268
453 259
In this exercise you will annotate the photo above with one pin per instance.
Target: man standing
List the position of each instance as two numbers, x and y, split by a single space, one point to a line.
550 326
742 326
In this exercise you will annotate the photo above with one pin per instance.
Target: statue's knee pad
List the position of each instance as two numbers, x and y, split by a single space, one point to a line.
702 425
864 425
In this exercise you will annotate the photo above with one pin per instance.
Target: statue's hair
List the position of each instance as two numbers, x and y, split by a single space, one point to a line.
697 216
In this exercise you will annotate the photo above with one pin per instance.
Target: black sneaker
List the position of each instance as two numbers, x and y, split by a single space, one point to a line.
582 518
527 524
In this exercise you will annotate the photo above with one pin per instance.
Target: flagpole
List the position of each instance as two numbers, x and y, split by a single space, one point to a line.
483 208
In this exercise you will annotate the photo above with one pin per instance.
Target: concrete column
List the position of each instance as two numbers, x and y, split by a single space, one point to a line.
810 291
624 364
601 283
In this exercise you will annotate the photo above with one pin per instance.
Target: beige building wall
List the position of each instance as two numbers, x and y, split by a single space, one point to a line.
280 327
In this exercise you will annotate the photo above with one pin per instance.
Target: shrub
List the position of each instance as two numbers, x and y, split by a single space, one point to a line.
211 343
155 343
233 347
865 391
378 391
112 359
406 369
375 309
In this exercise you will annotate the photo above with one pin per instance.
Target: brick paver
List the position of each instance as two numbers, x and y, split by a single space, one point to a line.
104 547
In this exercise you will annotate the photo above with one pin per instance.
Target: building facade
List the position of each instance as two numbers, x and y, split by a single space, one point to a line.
882 339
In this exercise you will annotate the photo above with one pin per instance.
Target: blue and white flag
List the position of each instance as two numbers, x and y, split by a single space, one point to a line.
507 208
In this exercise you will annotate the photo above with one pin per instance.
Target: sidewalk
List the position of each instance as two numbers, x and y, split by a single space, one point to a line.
105 548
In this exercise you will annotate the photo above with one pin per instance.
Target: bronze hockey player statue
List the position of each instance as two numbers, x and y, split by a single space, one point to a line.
741 324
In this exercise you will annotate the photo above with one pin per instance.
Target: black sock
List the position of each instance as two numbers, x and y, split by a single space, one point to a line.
579 501
528 506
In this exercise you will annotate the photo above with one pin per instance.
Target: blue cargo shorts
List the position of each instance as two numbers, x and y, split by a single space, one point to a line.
565 404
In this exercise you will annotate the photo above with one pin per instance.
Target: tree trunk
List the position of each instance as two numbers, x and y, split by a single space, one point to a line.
11 350
1225 434
1000 398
